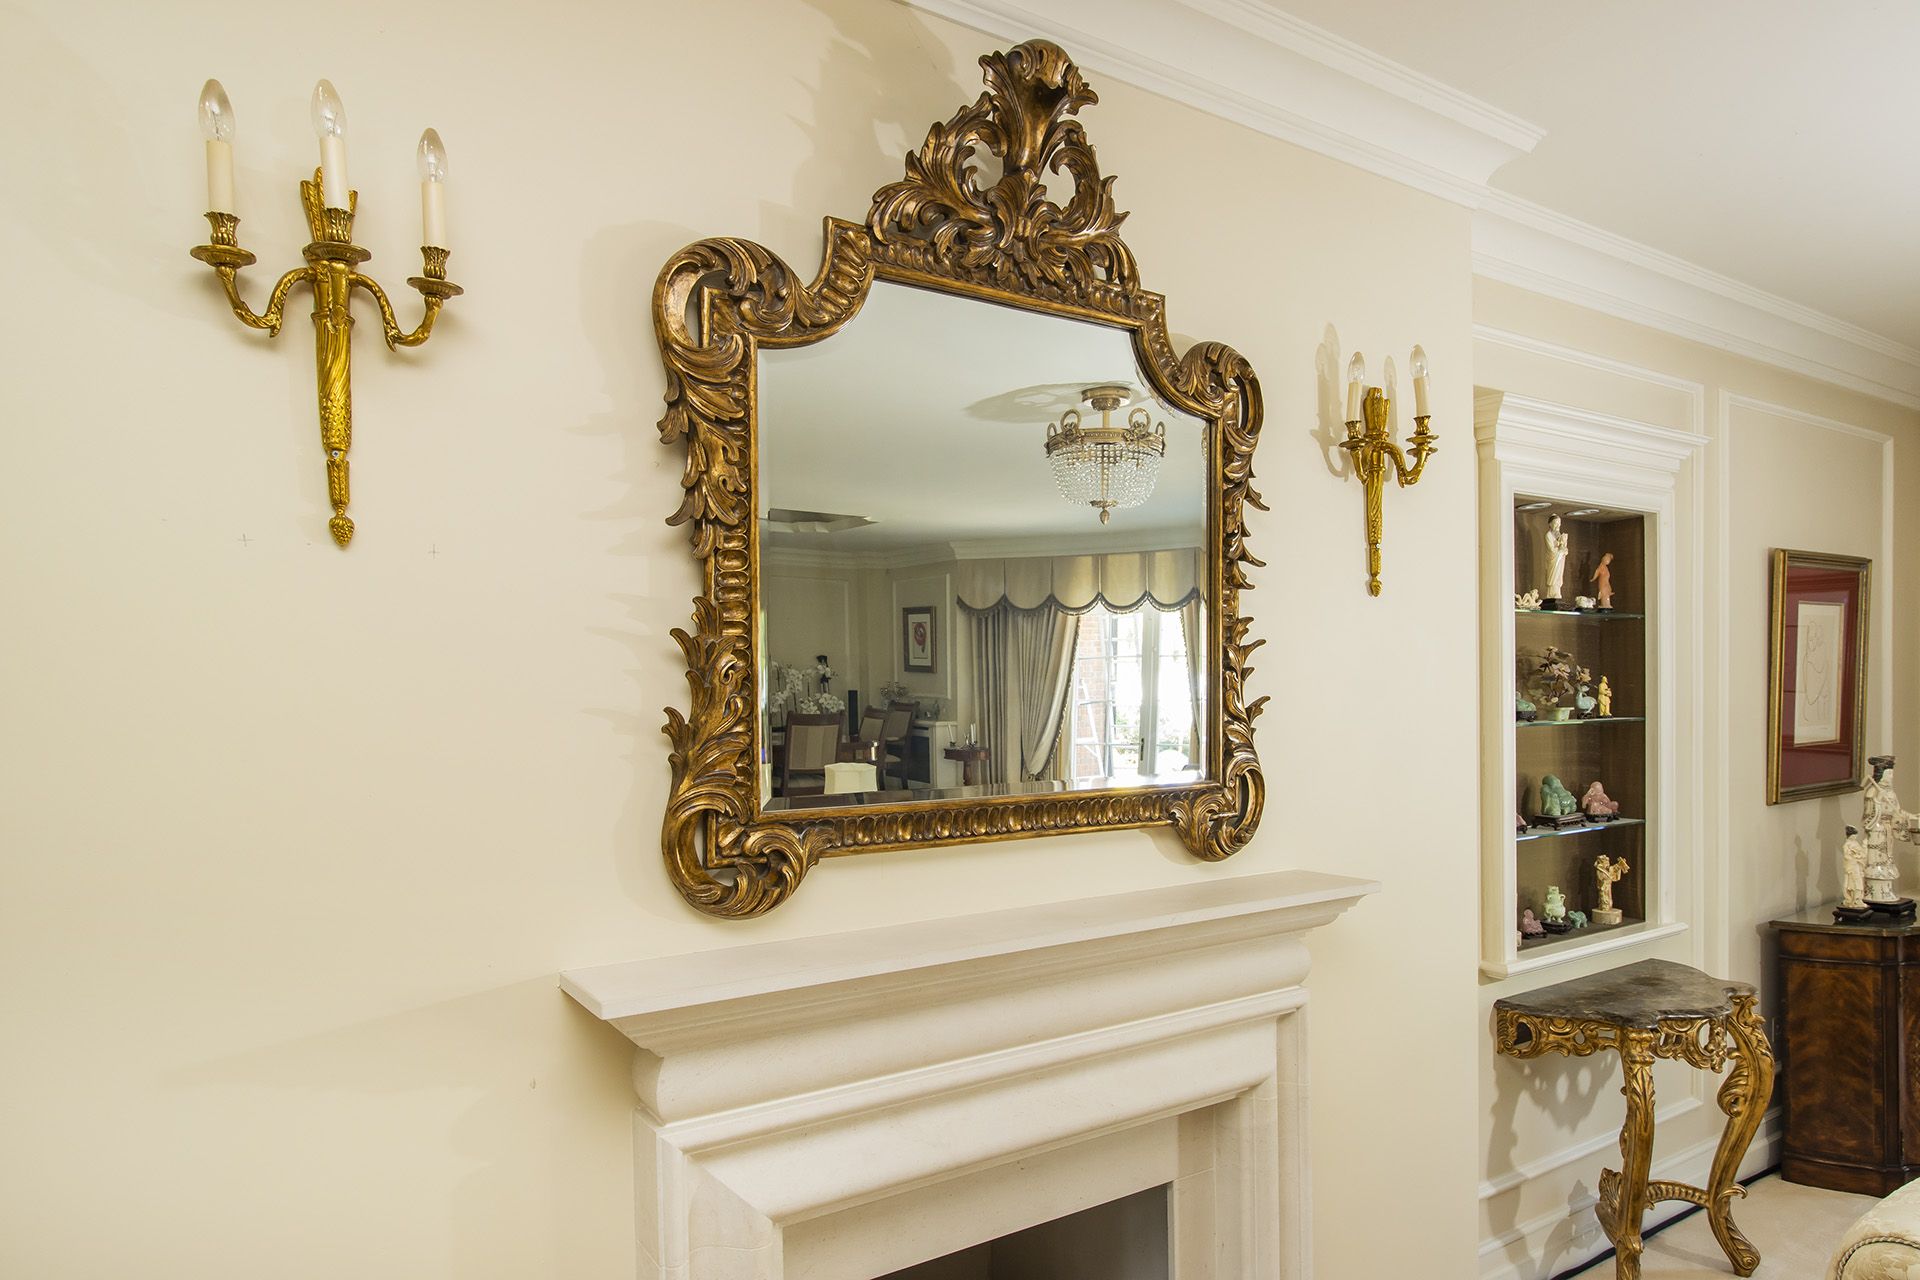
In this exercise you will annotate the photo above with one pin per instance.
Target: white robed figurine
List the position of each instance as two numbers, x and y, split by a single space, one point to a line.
1556 559
1853 881
1881 821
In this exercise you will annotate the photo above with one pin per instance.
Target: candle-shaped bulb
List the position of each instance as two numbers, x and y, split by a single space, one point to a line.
433 157
329 113
433 190
1418 365
1356 379
330 126
216 113
216 121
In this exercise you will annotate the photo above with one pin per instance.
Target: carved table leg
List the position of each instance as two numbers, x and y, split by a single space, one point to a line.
1744 1098
1623 1195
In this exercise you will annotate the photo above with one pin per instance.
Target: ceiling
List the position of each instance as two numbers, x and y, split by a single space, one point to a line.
928 413
1771 141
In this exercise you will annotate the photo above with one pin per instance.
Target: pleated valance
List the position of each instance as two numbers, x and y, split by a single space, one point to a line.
1121 580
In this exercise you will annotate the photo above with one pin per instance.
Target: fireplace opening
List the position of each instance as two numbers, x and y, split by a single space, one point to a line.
1124 1239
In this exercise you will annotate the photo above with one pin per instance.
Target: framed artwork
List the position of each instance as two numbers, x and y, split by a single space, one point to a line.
1817 678
919 640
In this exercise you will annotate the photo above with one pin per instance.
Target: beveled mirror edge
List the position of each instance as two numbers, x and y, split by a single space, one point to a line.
1010 245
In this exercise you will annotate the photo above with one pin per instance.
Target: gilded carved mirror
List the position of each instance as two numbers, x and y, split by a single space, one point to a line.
972 532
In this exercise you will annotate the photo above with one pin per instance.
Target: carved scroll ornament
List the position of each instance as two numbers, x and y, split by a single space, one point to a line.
718 302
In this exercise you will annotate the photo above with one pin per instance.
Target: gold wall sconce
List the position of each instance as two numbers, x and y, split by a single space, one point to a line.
332 258
1374 451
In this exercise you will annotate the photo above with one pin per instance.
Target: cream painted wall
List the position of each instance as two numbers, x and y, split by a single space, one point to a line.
1790 463
297 839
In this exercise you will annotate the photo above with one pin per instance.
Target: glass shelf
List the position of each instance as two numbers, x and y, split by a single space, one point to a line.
1576 936
1590 615
1568 724
1549 833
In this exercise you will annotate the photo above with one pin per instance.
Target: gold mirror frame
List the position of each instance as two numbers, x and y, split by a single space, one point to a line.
718 302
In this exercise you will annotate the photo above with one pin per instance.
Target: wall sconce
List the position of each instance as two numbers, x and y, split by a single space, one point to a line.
1374 451
332 257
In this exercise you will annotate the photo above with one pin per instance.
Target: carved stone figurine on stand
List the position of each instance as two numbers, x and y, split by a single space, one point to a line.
1557 544
1602 579
1853 880
1607 871
1556 911
1530 926
1882 820
1557 805
1603 697
1598 805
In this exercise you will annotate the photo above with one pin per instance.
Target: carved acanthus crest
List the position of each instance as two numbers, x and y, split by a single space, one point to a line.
1012 234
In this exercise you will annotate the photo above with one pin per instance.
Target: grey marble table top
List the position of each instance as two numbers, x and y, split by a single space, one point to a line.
1637 996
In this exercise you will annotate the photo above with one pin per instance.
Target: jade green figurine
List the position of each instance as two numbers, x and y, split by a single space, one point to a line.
1555 800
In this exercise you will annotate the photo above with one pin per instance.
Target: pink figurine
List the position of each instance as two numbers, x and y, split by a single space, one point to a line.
1602 580
1530 927
1598 805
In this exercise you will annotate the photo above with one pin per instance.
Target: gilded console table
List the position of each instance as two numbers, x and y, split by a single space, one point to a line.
1656 1009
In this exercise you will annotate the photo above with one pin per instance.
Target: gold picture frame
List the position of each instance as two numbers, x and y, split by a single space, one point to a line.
1817 706
718 302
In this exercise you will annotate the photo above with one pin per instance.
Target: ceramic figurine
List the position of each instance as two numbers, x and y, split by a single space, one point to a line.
1519 824
1586 603
1605 873
1584 702
1598 805
1602 579
1883 820
1557 544
1578 919
1604 698
1555 800
1530 600
1524 709
1853 879
822 672
1531 927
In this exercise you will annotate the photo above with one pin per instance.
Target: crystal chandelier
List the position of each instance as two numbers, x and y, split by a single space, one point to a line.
1106 466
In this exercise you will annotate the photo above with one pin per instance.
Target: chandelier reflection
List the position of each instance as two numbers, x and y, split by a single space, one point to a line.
1106 466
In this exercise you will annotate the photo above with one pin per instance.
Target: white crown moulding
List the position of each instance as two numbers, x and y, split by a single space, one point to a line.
1248 62
1522 244
1254 65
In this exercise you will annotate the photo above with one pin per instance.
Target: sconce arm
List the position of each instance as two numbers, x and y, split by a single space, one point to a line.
1424 447
271 318
396 336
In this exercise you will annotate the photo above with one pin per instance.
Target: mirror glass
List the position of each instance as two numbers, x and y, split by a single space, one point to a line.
982 561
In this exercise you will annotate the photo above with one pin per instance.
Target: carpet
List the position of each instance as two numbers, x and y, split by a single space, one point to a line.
1795 1228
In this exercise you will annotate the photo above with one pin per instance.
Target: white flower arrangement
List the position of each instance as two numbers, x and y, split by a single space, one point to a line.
791 689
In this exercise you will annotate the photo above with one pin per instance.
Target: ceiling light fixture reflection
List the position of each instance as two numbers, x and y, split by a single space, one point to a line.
1106 466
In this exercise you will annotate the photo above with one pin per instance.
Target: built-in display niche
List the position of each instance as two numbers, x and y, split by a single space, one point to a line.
1580 721
1124 1239
1585 679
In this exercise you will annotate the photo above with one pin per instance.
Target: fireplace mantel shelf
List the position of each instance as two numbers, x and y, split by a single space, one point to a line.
687 983
839 1107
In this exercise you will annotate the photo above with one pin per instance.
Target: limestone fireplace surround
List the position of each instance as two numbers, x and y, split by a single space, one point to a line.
837 1108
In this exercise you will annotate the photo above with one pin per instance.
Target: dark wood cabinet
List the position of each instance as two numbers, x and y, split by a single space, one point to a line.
1850 1044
